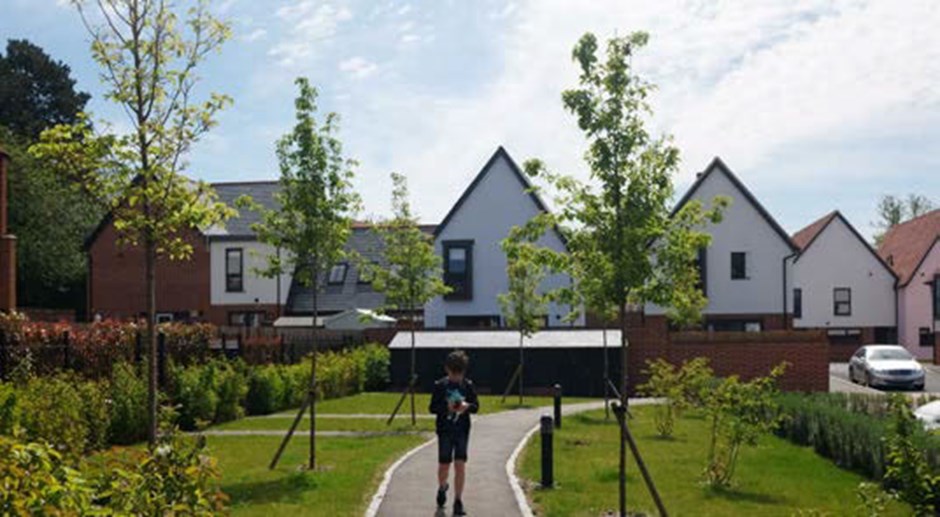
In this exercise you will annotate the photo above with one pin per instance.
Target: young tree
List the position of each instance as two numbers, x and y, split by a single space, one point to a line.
524 304
148 63
312 221
639 252
411 273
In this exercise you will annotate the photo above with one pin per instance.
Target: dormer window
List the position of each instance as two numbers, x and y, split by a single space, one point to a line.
337 274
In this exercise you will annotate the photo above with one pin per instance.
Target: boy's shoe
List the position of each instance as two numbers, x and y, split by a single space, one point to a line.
458 508
442 496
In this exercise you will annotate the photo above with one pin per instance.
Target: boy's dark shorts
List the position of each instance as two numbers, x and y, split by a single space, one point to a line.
452 446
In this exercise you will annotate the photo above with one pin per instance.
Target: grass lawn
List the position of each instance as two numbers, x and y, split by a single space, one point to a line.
382 403
328 424
350 469
774 478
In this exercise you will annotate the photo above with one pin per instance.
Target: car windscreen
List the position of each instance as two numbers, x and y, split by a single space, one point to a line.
889 354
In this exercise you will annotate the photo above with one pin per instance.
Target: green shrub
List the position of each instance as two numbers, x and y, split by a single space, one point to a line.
841 427
683 388
908 472
266 390
95 412
177 477
8 417
232 386
376 361
193 391
128 421
34 480
51 410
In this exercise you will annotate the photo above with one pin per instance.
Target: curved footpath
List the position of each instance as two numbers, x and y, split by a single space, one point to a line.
411 483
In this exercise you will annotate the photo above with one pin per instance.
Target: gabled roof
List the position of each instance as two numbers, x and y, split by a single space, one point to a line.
905 246
718 166
517 172
261 192
807 236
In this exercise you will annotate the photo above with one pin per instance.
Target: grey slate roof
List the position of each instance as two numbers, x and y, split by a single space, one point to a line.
351 294
262 192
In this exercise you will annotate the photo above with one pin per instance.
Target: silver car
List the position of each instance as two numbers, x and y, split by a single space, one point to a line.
886 366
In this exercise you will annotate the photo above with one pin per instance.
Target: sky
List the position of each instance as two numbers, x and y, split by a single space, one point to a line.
816 105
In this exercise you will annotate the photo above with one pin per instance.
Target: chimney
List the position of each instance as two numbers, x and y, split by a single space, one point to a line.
7 244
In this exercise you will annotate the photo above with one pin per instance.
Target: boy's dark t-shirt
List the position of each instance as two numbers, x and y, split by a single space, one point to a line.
445 392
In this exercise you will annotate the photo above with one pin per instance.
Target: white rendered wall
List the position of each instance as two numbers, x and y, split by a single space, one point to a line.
257 289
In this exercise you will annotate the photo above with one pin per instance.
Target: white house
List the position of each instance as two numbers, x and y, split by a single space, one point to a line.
238 294
468 240
744 267
840 283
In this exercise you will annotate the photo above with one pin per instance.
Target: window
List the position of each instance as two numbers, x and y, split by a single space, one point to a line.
458 269
738 265
798 303
926 336
842 301
234 270
164 317
337 274
936 298
701 266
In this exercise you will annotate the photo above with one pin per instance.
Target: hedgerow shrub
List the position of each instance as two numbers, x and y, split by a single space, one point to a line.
376 362
128 393
907 471
266 390
682 387
835 428
231 384
50 410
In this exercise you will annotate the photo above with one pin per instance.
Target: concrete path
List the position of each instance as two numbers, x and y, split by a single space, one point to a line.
413 484
356 416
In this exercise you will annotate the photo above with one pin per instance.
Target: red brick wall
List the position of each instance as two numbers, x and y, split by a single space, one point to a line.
116 283
743 354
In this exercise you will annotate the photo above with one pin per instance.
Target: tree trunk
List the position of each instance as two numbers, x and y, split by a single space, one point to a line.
151 287
411 380
623 406
606 374
312 463
521 368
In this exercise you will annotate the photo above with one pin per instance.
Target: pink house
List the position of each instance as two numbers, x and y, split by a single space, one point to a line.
913 250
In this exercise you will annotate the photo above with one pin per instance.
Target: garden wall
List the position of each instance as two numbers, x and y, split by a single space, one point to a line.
741 353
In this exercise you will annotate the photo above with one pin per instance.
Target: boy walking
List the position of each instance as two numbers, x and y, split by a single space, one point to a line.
453 400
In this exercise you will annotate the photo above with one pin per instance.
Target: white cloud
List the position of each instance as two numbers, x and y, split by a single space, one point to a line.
310 23
743 80
358 67
255 35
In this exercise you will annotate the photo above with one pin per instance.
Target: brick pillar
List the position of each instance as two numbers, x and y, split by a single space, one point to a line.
7 245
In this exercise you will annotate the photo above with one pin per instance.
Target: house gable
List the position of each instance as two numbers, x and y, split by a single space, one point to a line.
747 234
498 198
836 256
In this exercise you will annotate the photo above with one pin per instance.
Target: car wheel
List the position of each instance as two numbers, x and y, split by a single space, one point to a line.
868 379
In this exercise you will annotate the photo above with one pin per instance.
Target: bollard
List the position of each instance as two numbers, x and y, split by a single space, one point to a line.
547 431
556 390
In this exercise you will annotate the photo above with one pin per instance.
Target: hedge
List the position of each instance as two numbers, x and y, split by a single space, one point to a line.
76 415
849 429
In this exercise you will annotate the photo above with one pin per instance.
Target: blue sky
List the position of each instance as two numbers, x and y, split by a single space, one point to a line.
816 105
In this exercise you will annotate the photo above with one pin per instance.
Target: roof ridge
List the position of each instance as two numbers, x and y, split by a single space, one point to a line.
914 219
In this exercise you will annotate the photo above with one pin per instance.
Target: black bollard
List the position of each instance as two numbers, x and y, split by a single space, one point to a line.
556 391
547 430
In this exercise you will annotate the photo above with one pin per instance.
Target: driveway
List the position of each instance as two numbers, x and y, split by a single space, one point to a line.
839 379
